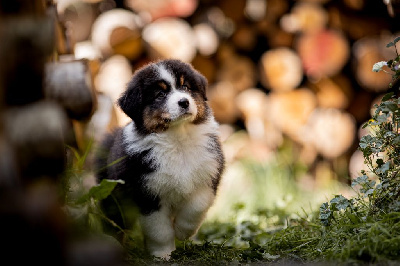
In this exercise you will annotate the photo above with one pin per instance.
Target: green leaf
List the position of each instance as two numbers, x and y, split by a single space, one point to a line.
391 106
353 218
389 44
364 142
369 192
341 203
100 191
393 43
396 40
383 168
324 211
387 96
382 118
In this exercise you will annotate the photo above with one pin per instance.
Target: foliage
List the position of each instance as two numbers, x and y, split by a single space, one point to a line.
392 64
372 217
82 203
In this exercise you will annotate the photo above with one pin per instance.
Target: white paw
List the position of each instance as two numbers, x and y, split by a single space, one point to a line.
164 255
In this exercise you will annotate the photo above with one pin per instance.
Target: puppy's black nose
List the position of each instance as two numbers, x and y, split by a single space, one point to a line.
184 103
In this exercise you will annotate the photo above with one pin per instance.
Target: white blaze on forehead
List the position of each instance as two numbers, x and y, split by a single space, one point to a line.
175 96
166 75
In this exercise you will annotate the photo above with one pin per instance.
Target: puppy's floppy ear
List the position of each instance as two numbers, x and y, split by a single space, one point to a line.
131 100
201 84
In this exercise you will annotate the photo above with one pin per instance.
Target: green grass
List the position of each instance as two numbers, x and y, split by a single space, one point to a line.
263 216
259 217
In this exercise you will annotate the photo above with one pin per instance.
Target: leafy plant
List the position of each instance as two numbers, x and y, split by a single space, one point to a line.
392 64
82 203
372 215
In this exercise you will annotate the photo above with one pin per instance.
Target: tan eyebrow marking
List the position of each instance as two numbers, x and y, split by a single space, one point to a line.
162 85
182 80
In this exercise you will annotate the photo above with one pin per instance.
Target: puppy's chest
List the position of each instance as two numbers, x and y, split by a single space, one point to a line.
182 165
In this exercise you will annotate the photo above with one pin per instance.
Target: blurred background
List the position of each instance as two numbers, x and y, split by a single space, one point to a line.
290 82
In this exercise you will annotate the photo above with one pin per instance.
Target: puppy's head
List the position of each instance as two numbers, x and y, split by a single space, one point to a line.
164 94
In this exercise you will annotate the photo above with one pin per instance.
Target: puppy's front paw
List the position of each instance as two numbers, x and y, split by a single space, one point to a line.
164 255
184 231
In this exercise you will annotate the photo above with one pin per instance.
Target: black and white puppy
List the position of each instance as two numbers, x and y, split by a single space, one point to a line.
169 156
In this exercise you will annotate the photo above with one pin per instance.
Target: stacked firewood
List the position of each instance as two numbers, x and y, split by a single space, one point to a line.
31 137
278 69
44 93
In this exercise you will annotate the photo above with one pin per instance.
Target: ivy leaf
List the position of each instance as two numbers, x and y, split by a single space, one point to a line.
390 44
396 140
378 66
340 202
325 213
383 168
100 191
393 43
387 96
369 192
361 180
365 125
391 106
365 141
382 118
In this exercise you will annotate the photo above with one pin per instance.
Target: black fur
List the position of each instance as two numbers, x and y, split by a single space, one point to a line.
140 90
113 161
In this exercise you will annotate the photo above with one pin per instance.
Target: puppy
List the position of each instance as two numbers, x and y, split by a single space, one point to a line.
169 156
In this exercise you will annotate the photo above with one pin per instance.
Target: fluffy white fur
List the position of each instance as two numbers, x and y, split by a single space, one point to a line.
185 157
182 180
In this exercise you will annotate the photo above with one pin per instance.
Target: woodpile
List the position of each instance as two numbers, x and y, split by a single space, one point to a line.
32 131
70 83
332 92
323 53
170 38
330 131
281 69
273 66
111 80
368 51
290 111
117 32
46 97
305 17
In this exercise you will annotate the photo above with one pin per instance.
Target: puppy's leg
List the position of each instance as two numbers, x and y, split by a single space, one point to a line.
192 213
159 233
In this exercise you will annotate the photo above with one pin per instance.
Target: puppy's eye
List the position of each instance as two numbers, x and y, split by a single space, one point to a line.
161 94
185 87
